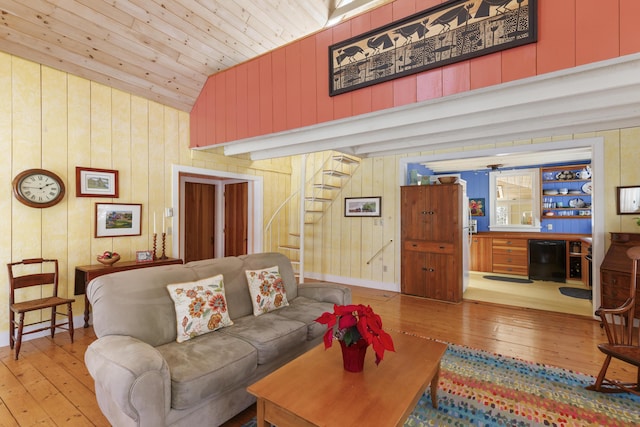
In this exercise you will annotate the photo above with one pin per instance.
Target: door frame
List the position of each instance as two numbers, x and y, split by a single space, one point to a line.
181 174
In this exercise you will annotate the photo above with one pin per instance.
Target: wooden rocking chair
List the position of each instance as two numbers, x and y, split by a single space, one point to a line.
623 337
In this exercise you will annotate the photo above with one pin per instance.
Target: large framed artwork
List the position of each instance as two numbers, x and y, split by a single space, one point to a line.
451 32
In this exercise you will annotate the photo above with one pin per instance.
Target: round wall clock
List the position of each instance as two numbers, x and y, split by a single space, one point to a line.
38 188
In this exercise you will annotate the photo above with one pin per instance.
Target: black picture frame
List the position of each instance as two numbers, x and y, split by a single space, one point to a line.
451 32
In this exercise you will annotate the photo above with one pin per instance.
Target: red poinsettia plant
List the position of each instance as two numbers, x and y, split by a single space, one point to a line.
350 323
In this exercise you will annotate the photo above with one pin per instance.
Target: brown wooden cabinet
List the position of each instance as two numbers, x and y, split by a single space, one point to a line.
615 271
510 256
481 254
431 232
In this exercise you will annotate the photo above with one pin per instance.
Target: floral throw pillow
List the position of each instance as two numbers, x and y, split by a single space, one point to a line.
201 307
267 290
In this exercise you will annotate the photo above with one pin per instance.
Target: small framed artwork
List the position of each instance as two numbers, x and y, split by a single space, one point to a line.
144 256
92 182
476 207
115 220
362 206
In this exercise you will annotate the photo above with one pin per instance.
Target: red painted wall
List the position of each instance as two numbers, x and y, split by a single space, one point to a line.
289 87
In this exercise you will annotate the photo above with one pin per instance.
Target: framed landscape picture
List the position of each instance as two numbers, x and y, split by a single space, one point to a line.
91 182
114 220
362 206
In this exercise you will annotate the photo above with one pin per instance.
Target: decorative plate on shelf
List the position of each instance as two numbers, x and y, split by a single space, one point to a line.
548 176
587 188
576 203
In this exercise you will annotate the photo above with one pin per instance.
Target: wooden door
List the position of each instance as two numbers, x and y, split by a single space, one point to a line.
235 219
413 271
414 213
444 221
440 277
199 221
481 251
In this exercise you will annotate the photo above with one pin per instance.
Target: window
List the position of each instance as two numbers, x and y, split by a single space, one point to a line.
515 200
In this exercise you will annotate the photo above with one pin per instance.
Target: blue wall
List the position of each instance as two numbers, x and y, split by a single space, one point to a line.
478 188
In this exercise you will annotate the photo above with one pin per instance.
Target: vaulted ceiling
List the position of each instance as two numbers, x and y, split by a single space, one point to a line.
162 50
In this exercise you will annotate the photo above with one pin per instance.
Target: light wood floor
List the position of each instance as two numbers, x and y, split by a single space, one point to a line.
50 385
542 295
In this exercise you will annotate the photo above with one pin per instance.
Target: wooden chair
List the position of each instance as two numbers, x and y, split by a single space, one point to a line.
622 335
48 283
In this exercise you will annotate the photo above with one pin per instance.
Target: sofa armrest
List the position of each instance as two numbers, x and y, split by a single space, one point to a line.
132 380
326 292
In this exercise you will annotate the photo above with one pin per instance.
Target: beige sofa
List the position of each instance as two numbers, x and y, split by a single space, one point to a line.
143 377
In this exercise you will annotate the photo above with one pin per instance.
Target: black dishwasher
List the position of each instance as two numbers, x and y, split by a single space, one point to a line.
547 260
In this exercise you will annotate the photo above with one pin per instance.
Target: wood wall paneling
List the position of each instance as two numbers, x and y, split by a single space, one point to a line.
597 30
308 81
279 87
485 71
518 63
629 40
556 44
232 106
293 58
253 98
220 104
342 102
242 98
265 99
455 78
405 90
323 101
429 85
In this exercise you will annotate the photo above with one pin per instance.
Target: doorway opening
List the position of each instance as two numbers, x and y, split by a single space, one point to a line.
246 193
596 146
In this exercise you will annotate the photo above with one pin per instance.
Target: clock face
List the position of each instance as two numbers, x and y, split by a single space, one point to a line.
38 188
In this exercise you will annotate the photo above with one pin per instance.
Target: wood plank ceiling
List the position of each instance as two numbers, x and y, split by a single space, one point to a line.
162 50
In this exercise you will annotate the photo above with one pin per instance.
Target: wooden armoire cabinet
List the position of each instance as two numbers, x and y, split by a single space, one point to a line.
615 271
431 234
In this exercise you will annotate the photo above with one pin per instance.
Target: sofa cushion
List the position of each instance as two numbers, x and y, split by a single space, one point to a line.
201 307
207 366
267 290
307 311
270 334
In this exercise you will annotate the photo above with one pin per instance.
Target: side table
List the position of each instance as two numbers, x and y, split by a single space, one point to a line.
86 273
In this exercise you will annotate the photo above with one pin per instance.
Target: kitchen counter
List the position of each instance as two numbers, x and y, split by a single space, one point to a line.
508 252
535 235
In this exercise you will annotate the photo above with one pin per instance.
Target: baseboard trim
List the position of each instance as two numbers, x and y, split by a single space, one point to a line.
365 283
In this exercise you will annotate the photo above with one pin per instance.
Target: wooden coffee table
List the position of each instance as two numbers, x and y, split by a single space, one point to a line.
315 390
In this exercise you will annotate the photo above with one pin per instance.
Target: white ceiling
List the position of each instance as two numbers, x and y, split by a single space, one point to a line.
163 50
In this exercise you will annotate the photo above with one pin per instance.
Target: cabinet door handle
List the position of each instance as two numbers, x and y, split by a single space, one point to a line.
423 212
427 269
415 245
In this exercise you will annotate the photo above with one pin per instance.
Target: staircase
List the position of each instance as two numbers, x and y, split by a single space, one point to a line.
284 232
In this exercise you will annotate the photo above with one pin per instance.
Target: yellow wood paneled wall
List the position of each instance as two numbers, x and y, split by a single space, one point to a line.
57 121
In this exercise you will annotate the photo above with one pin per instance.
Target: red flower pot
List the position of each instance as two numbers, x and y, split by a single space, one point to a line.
353 355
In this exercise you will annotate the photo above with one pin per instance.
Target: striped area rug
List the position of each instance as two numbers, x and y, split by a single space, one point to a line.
478 388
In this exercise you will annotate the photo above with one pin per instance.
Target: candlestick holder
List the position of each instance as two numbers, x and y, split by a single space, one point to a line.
155 236
164 239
